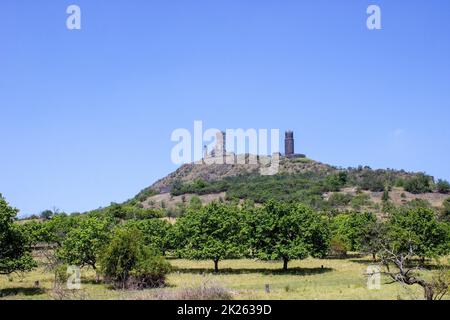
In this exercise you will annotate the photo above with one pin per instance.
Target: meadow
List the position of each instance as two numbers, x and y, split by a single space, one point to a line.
310 279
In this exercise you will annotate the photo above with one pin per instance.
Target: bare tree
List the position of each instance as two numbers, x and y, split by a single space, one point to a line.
400 268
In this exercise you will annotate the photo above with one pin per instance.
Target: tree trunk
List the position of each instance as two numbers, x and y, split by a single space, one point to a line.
374 256
285 264
216 265
429 292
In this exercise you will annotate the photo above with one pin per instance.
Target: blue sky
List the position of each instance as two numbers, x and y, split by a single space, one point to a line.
86 115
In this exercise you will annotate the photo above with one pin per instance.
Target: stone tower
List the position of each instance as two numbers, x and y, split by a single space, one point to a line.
289 144
221 143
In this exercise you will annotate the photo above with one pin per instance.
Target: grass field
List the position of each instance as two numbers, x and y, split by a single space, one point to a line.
244 279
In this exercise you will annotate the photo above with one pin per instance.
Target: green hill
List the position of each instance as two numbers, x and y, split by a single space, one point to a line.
322 186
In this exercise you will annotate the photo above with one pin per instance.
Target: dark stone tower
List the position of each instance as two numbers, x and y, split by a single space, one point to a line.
289 144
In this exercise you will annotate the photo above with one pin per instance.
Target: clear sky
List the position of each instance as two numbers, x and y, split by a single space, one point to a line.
86 115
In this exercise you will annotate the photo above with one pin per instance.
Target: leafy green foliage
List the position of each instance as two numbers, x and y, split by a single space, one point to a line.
418 228
214 233
361 200
368 179
156 233
373 237
339 199
284 232
83 244
307 188
338 247
195 203
351 228
446 210
141 197
126 212
15 251
443 186
418 203
418 184
55 230
128 263
46 214
335 182
385 196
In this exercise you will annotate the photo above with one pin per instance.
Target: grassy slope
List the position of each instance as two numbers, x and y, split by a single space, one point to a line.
340 279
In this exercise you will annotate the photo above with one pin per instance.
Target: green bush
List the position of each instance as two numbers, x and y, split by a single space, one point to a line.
149 272
338 247
419 203
361 200
418 184
385 196
446 210
15 249
443 186
339 199
127 263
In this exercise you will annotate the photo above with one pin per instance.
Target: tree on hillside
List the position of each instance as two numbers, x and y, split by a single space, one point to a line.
15 250
418 228
336 181
443 186
84 243
46 214
285 232
213 232
418 184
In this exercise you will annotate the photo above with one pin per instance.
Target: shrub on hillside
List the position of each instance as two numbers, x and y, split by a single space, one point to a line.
419 203
443 186
361 200
445 212
418 184
336 181
339 199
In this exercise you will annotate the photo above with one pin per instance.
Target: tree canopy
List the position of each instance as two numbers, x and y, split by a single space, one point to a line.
418 228
84 243
213 232
284 232
15 251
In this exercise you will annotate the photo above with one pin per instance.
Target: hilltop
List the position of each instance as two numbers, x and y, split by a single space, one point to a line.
320 185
